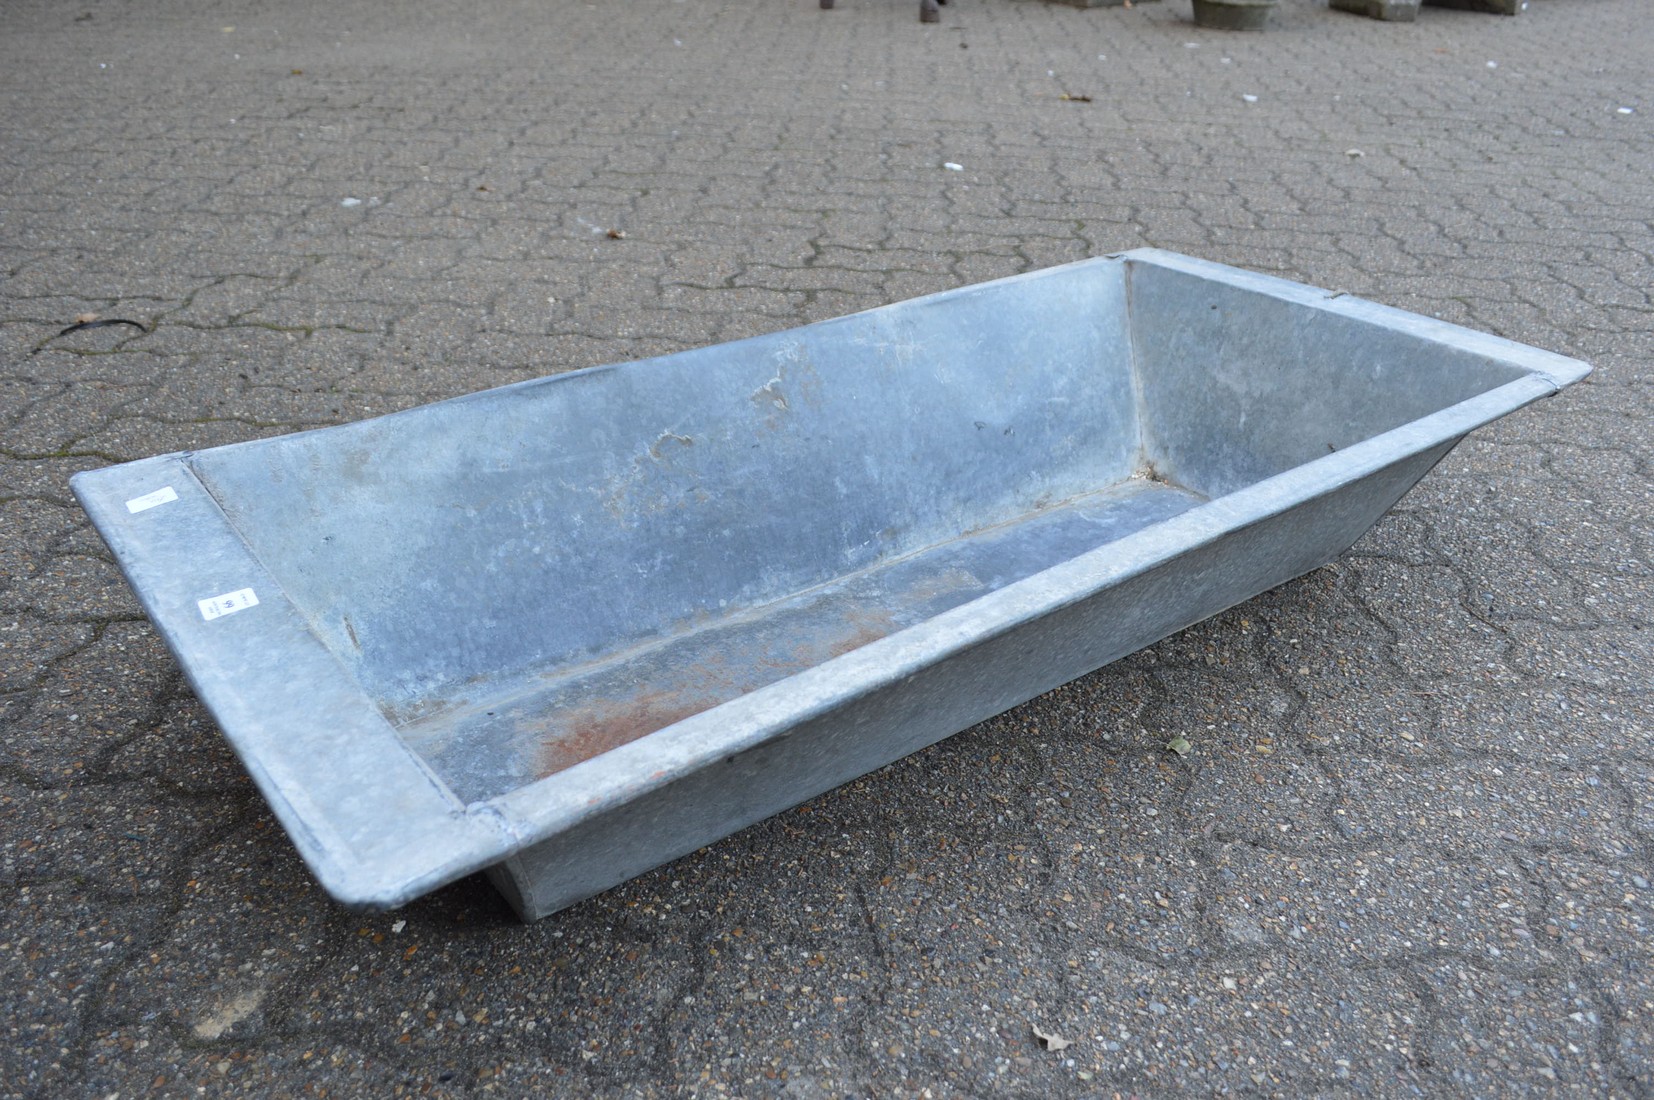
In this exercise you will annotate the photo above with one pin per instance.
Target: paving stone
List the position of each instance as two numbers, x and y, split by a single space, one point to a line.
1408 851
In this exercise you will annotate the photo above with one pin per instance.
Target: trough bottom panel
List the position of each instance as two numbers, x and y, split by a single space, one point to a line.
951 695
511 735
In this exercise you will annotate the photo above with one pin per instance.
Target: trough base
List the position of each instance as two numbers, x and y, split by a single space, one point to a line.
943 698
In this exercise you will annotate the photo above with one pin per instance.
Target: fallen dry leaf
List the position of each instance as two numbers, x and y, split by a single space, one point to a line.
229 1013
1050 1041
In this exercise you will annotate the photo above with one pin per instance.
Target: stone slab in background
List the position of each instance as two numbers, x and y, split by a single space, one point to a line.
1395 11
1493 7
1405 11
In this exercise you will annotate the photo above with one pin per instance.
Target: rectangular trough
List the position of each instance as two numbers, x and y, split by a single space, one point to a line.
570 629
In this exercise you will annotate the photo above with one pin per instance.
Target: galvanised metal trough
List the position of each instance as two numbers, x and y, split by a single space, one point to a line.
570 629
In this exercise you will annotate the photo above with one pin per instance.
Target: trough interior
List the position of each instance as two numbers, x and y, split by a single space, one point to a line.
525 578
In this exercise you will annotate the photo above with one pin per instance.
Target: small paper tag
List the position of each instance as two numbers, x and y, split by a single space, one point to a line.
227 604
164 495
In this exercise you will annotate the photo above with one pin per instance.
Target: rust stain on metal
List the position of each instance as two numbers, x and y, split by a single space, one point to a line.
860 627
856 641
602 725
596 726
865 626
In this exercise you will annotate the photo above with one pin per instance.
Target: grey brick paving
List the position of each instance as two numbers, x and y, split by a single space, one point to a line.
1411 852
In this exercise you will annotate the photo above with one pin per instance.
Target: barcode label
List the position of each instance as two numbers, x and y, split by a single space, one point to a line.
164 495
227 604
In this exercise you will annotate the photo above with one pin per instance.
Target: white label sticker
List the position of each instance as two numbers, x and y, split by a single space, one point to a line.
227 604
163 495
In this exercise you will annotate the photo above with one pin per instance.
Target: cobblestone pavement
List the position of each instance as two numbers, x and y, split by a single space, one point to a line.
1411 851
